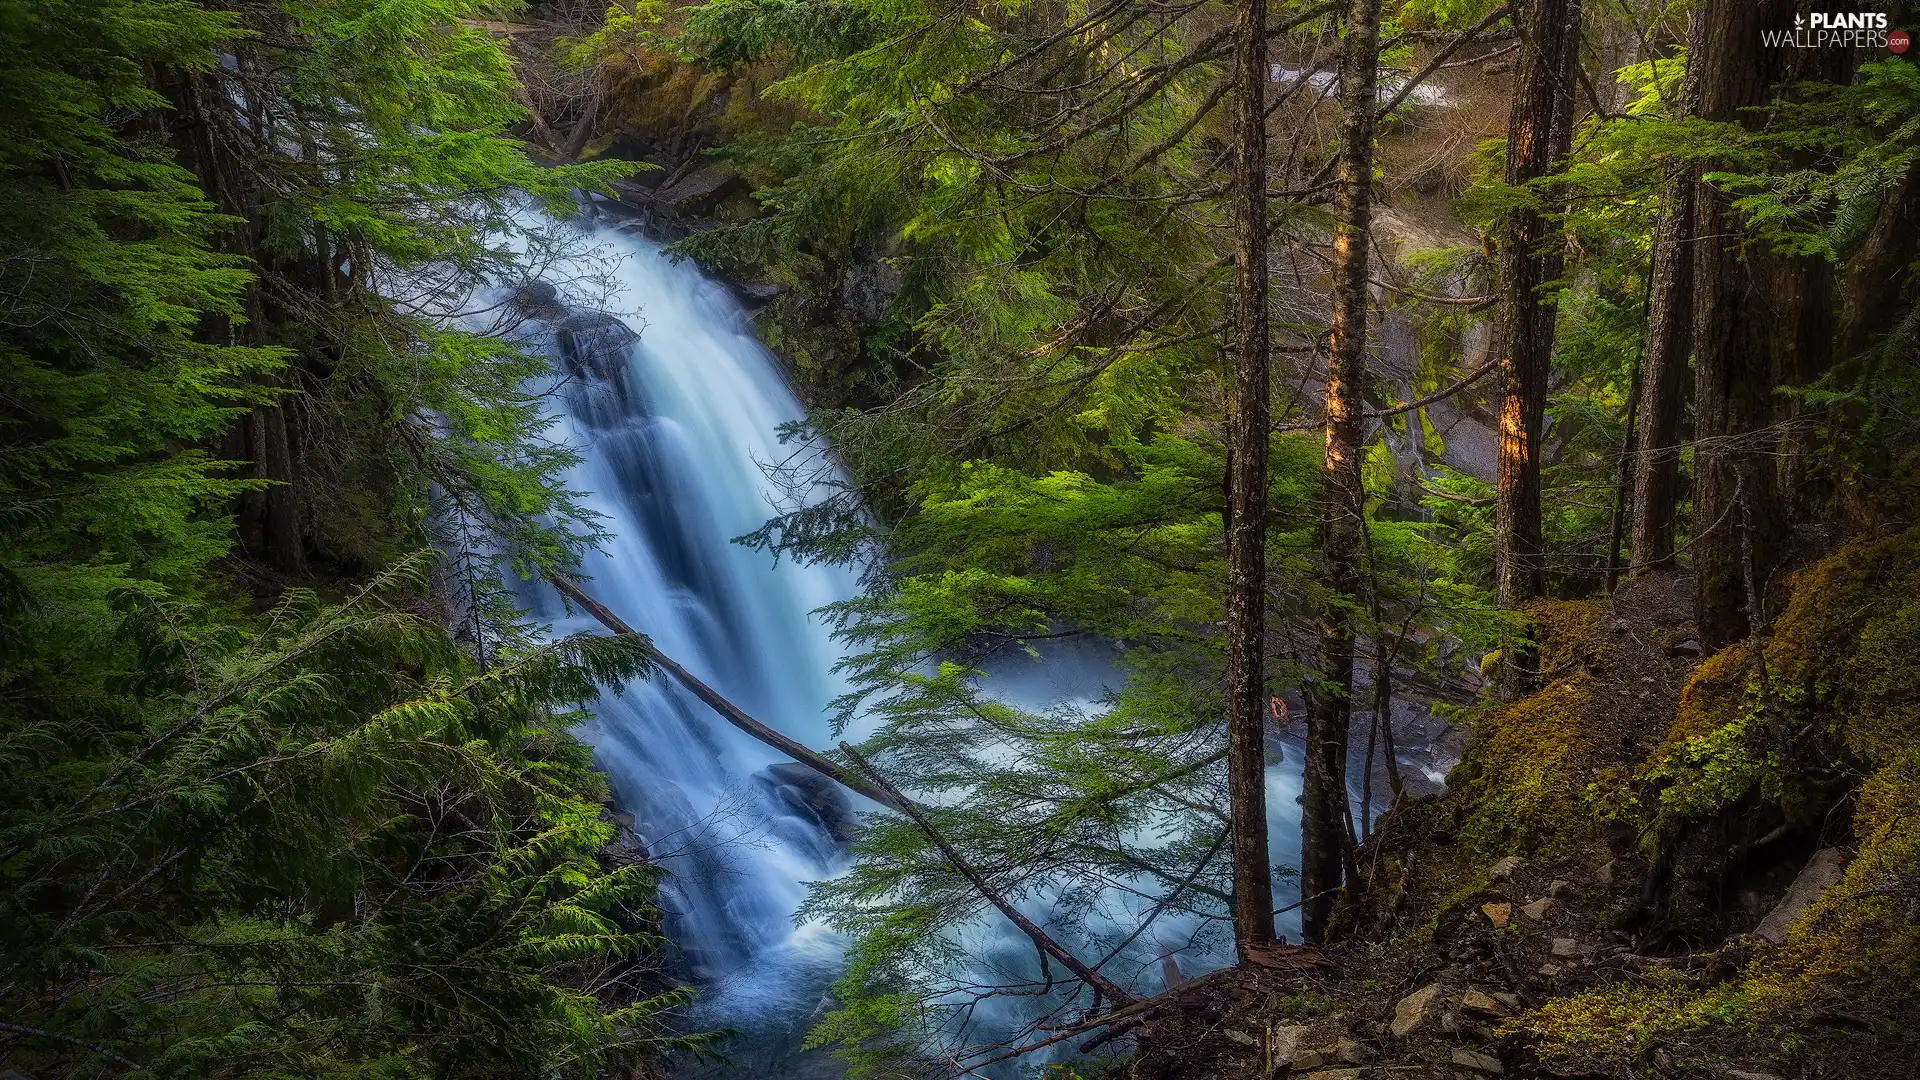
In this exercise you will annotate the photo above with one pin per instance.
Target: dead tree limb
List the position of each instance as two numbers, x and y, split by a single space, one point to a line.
728 711
1047 946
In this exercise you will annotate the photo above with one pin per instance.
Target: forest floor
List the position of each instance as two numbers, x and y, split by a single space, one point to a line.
1597 953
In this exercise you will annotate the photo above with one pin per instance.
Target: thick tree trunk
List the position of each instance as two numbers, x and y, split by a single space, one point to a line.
1323 796
1247 496
1663 379
1752 331
1532 253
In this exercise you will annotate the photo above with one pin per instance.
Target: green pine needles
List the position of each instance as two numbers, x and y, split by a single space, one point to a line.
265 815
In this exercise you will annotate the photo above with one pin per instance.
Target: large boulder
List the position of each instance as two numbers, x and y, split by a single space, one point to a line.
810 795
592 344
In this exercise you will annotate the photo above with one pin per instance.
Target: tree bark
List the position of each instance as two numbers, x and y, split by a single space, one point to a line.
1750 331
1532 253
1663 379
1247 497
1323 794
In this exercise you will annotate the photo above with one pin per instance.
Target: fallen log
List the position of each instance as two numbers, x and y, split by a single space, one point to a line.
728 711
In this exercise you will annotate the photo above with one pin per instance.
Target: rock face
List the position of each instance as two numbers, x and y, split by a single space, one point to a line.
810 795
593 344
1822 872
1415 1010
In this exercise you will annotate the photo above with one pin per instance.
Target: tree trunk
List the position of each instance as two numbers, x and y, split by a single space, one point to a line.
1663 378
1247 496
1747 340
1532 253
1323 795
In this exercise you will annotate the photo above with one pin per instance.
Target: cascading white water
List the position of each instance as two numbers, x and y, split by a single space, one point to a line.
675 429
674 437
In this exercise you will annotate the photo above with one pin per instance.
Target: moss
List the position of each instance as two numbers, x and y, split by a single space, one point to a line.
1844 660
1611 1025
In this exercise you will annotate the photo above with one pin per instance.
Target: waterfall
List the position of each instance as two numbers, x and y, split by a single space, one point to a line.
676 425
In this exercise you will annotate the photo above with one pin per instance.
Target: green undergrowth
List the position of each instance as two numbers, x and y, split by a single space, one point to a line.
1841 697
1520 788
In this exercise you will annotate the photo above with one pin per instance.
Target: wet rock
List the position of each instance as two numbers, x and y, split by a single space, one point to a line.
697 192
1497 914
1538 910
868 289
1478 1062
1481 1002
594 344
1415 1010
1503 869
757 294
810 795
1821 873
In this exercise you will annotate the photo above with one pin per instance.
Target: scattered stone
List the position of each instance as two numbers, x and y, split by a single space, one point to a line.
1308 1060
1690 649
1481 1002
1498 914
1350 1052
1551 971
1730 1074
1566 946
1241 1037
1414 1010
1604 875
1560 887
1478 1062
1537 910
1283 1043
1508 998
1337 1074
1503 869
1450 1022
1619 626
1821 872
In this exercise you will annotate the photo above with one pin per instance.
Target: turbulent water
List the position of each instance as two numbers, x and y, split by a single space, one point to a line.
674 437
676 426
